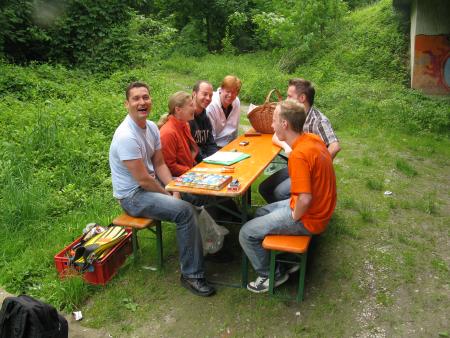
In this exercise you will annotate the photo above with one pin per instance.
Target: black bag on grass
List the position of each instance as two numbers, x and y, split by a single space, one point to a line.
26 317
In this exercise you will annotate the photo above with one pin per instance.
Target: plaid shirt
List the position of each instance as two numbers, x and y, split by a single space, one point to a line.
318 124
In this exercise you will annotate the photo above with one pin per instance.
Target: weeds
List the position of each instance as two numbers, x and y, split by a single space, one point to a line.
430 205
405 168
366 212
374 184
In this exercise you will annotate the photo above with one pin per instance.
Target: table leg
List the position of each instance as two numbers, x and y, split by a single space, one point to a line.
246 200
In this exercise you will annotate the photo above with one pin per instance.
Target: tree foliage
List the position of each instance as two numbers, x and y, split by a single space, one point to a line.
88 33
106 35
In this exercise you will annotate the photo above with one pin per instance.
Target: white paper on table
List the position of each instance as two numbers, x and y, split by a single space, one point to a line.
225 156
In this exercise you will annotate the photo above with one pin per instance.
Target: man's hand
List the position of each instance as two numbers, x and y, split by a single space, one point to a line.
176 195
161 169
302 204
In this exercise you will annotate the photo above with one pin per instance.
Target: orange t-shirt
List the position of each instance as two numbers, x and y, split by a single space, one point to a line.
311 171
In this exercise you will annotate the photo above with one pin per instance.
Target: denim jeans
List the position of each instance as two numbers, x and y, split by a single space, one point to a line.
276 187
272 219
166 208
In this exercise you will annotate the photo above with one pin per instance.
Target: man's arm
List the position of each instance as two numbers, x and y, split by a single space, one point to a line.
282 144
328 136
333 149
163 172
302 204
210 146
213 112
140 174
161 169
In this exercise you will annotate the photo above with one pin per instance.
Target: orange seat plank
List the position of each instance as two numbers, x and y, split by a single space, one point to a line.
296 244
125 220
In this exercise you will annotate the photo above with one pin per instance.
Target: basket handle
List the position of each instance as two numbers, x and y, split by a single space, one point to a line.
280 98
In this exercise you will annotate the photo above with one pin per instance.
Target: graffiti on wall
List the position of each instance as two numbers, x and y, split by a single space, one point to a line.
432 64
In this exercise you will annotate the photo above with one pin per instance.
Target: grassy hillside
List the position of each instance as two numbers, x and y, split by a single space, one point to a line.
380 255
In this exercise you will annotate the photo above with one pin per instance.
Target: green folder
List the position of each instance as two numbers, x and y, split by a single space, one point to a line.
226 157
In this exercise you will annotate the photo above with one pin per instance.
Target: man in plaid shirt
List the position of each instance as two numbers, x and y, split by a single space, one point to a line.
277 187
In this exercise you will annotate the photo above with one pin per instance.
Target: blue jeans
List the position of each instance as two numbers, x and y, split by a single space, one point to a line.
166 208
272 219
276 187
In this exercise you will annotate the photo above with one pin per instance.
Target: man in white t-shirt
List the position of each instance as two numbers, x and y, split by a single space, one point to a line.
139 175
224 111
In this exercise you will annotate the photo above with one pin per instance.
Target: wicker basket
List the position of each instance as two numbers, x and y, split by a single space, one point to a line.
261 116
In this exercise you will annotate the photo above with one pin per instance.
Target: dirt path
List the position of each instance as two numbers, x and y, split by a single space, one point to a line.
76 330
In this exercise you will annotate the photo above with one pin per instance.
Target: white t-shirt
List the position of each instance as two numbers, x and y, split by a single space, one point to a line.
131 142
224 129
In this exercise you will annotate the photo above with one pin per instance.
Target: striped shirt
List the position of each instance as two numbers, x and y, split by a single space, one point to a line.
318 124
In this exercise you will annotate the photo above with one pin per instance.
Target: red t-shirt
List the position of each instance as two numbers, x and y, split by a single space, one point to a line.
311 171
178 147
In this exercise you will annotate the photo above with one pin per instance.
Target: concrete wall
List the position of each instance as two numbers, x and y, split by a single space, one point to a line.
430 46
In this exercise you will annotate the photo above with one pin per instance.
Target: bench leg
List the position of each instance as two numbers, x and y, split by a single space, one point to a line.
273 255
159 245
301 277
134 242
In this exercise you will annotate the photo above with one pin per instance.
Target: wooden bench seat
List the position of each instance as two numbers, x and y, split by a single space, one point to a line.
140 223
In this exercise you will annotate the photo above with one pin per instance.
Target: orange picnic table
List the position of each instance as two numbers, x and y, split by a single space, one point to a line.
262 151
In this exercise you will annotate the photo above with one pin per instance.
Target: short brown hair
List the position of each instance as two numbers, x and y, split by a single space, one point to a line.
303 86
198 83
231 82
136 84
293 112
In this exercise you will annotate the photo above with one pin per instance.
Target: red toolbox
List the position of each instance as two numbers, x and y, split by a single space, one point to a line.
101 271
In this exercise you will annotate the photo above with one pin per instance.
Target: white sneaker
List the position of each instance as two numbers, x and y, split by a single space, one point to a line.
261 284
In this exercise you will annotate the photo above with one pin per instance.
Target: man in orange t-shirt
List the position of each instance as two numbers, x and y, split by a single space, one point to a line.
313 195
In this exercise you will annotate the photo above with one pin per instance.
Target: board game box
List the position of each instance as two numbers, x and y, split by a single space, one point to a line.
203 180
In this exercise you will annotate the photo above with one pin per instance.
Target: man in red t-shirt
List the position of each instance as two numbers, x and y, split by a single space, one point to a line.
313 194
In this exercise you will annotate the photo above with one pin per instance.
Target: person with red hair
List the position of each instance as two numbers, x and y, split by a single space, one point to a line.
224 111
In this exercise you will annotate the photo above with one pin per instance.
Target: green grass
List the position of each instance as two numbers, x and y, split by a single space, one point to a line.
380 254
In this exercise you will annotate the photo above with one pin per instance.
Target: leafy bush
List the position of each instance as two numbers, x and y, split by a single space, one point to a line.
85 33
21 37
153 38
352 4
299 29
191 41
94 34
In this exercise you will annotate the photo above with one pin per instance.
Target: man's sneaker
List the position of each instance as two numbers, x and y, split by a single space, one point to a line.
294 268
198 286
261 284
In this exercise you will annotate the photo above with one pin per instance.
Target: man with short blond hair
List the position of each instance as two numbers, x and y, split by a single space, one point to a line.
224 111
312 200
